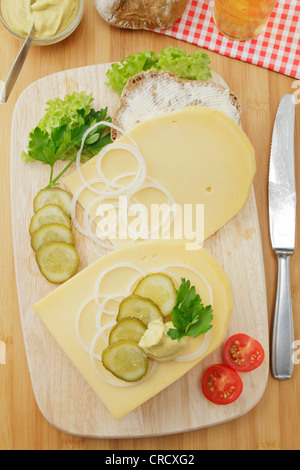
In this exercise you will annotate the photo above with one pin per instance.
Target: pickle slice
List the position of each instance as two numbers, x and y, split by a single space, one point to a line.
50 214
125 360
51 233
137 307
160 289
58 261
130 329
57 196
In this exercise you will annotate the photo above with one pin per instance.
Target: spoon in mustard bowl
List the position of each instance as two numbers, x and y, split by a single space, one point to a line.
17 66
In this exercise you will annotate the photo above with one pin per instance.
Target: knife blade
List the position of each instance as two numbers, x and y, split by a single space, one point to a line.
17 67
282 221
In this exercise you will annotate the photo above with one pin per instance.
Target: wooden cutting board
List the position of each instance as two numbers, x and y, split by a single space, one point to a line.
63 396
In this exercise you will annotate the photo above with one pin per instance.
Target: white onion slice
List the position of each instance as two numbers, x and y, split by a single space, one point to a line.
102 311
107 271
93 355
118 296
98 325
139 176
73 207
171 202
134 149
88 220
88 232
172 275
93 237
134 280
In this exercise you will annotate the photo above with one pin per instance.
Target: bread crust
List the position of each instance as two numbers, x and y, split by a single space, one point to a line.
141 14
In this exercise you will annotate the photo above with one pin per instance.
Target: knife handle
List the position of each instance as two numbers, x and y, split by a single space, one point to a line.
283 329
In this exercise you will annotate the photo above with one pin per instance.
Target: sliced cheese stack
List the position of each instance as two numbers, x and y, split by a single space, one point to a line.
200 155
118 272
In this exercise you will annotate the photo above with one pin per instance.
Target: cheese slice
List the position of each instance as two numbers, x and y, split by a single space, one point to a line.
199 155
120 269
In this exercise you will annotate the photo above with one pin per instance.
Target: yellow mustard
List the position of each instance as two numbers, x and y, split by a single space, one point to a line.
158 345
50 17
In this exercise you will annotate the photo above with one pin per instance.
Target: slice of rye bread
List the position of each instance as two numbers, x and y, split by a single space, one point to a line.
151 94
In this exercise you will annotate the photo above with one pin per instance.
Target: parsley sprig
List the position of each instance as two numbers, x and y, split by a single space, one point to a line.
189 316
58 135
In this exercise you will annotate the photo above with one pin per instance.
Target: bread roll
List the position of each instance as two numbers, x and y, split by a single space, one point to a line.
141 14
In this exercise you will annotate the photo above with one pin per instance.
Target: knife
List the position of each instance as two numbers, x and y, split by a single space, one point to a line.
282 220
16 68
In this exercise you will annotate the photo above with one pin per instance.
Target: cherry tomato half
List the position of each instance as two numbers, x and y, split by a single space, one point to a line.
243 353
221 384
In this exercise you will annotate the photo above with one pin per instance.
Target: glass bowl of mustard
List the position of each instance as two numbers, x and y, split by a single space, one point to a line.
52 25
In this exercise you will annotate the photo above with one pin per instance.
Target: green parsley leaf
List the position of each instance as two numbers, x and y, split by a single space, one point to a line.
189 316
41 147
58 135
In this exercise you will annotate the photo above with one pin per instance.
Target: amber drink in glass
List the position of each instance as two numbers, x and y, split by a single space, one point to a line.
242 19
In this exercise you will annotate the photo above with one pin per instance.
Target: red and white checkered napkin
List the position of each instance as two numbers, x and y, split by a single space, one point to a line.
277 47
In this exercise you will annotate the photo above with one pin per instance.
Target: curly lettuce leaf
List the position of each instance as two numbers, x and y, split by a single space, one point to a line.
192 67
119 73
65 111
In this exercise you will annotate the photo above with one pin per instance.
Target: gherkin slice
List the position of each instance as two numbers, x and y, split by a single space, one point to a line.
50 214
125 360
55 195
135 306
51 233
57 261
130 329
160 289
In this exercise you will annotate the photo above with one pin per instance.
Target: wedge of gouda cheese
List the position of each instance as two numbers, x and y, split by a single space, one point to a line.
71 313
200 155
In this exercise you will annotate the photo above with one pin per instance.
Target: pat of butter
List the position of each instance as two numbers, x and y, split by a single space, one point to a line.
158 345
153 335
59 312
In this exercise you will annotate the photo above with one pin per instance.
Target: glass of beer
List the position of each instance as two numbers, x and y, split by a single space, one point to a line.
242 19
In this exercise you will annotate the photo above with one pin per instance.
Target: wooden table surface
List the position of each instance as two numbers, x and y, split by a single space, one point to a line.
274 423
